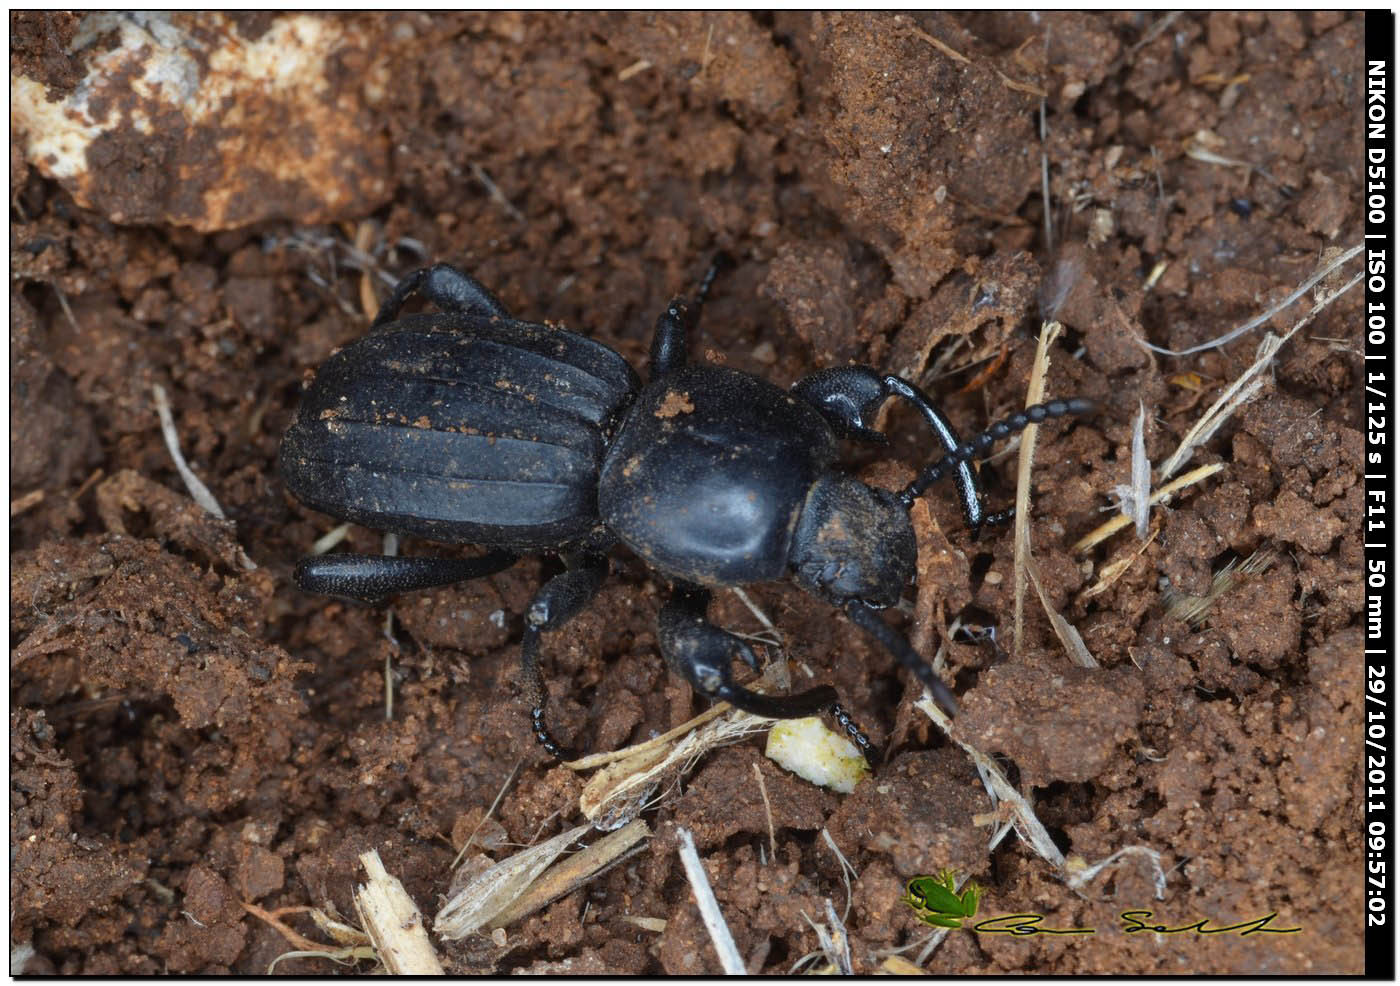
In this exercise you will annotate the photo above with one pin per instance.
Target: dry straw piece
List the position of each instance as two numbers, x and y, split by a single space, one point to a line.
394 925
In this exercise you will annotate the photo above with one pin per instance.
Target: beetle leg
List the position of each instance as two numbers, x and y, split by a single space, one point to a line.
445 286
669 343
892 640
846 395
557 602
372 578
702 653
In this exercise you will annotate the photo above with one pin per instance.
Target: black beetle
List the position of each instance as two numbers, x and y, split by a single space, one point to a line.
468 426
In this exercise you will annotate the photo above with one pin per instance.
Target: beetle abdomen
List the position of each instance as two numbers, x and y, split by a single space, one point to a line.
459 429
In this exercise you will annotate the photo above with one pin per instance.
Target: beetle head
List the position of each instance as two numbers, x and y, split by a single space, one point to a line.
853 542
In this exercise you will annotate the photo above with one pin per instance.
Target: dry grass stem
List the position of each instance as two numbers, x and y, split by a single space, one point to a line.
305 948
574 871
641 65
1133 496
1025 87
1264 316
620 792
492 891
330 539
898 966
1115 524
709 907
655 743
1035 390
198 491
957 56
1114 571
848 872
1027 826
29 500
767 810
1079 873
345 934
758 614
1069 637
497 196
834 941
489 811
1246 385
394 925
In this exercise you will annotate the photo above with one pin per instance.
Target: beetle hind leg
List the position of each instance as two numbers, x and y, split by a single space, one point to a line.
373 578
445 286
668 345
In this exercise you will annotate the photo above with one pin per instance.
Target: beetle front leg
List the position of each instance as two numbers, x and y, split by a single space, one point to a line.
702 653
557 602
373 578
892 640
445 286
846 395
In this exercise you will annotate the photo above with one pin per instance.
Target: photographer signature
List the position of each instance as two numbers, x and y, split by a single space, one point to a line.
1133 922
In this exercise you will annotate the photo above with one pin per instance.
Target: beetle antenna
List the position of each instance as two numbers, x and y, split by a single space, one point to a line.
980 444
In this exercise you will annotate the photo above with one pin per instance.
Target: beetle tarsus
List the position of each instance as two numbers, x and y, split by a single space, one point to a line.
557 602
857 735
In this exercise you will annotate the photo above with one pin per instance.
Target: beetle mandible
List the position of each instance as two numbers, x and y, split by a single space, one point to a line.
468 426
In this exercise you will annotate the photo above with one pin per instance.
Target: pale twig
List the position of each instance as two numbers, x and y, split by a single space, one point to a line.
198 491
491 892
489 812
1264 316
924 36
1078 873
1115 524
1133 496
767 811
1035 390
573 872
1113 571
330 539
393 922
1243 387
729 959
494 191
1152 33
835 943
1028 827
753 608
1069 637
848 872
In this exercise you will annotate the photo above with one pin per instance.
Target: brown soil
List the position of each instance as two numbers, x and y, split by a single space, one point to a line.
187 734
